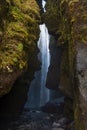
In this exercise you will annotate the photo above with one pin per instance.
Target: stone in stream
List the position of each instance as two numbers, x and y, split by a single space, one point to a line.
55 106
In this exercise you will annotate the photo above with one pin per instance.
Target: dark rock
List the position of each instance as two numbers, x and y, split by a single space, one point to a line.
53 108
40 5
53 76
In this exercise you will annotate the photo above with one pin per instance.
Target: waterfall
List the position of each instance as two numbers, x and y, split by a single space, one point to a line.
43 5
38 94
43 45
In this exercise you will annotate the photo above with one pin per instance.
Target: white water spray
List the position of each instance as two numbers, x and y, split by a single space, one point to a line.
43 5
43 45
38 93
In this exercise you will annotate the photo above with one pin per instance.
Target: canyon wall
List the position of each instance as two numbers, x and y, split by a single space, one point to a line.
67 21
19 32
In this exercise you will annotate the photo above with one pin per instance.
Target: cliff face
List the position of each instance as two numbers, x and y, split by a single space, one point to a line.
19 32
67 21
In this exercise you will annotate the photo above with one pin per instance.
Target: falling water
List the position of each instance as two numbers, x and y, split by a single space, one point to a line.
43 45
43 5
38 94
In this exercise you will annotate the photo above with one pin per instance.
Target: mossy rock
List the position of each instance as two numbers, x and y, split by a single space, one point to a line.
67 20
19 32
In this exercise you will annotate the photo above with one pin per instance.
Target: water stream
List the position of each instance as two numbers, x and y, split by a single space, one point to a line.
45 58
43 45
38 94
32 117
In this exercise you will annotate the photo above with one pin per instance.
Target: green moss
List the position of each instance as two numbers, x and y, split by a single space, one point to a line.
15 13
67 20
20 47
21 29
19 32
51 16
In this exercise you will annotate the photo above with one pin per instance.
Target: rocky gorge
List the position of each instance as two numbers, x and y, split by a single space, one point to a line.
66 21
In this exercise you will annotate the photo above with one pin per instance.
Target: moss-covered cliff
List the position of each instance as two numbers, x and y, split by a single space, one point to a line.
19 32
67 21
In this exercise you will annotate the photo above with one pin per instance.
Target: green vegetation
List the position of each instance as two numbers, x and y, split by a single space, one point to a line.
67 21
19 32
19 28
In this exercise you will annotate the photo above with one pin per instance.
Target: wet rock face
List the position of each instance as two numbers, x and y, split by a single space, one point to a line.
53 75
19 32
40 5
82 81
50 17
68 24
